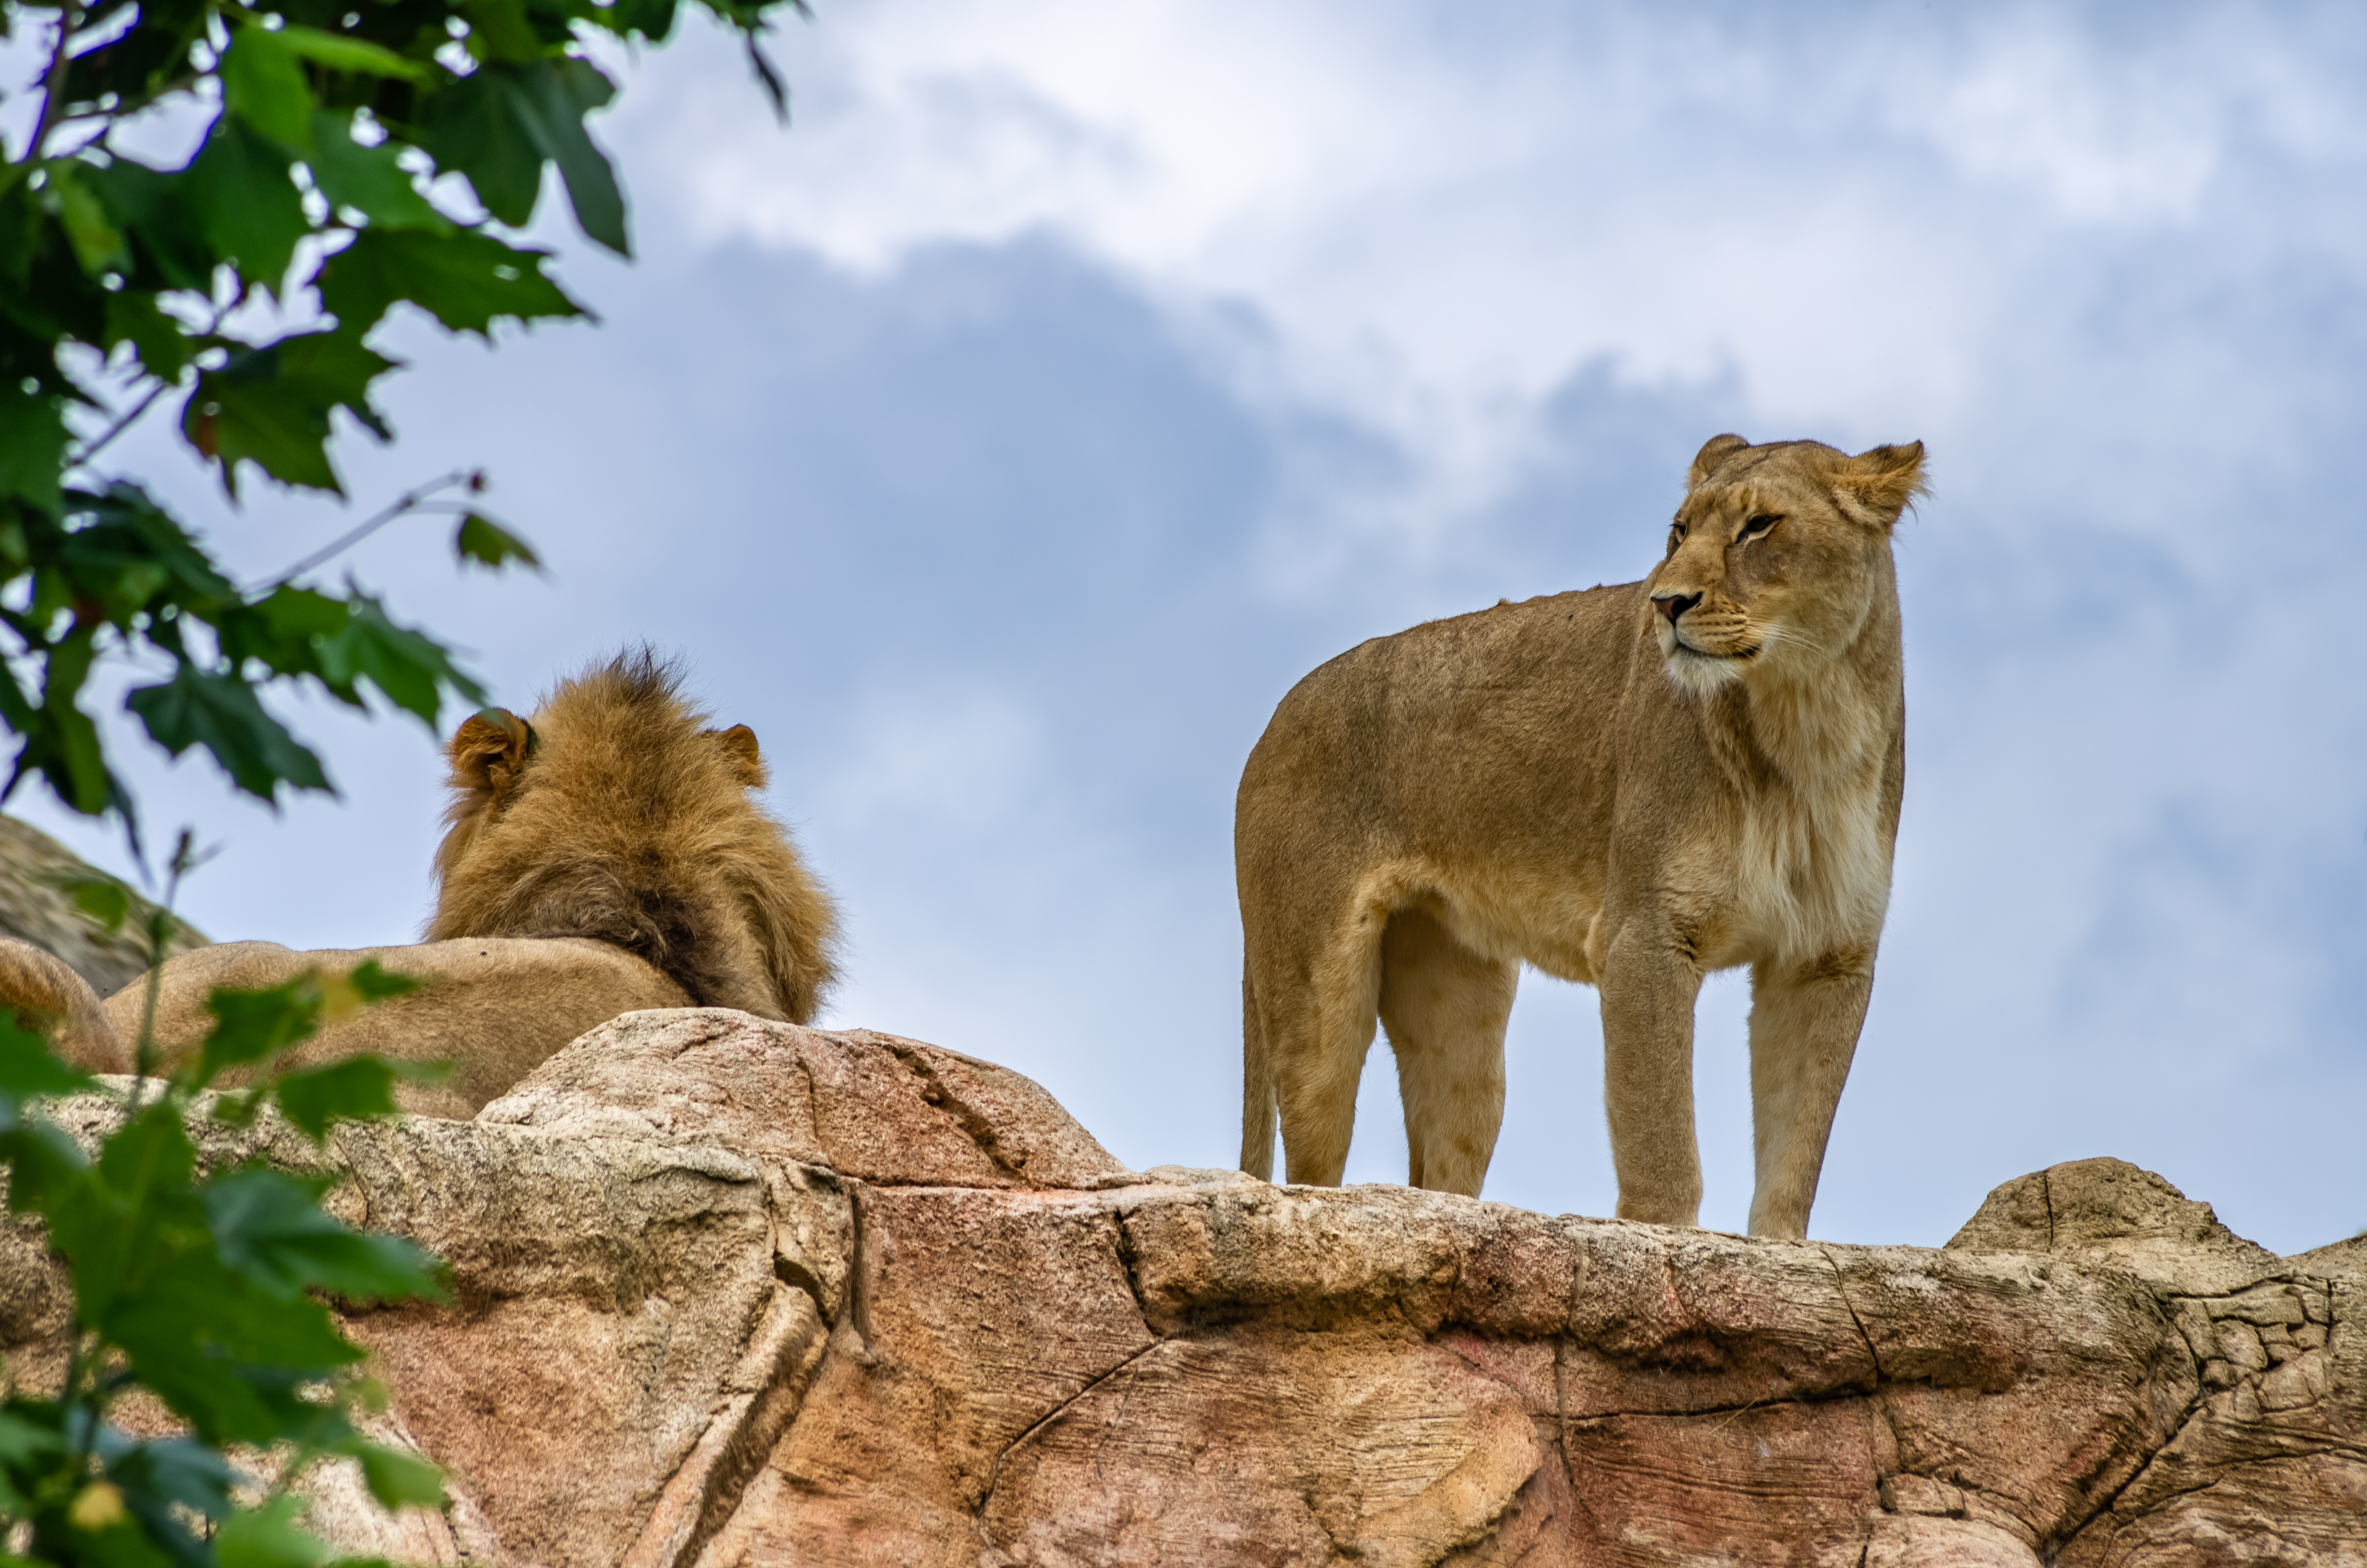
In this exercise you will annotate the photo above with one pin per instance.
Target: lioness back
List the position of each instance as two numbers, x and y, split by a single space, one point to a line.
1452 741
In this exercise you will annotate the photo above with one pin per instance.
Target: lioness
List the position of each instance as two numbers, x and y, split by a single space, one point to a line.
1629 786
602 856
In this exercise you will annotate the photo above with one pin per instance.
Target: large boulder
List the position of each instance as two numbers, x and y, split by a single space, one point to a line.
730 1292
35 906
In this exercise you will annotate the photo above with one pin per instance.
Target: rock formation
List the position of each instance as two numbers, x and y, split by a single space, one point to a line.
36 907
729 1292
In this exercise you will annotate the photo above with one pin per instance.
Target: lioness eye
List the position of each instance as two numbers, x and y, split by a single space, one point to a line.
1760 525
1676 534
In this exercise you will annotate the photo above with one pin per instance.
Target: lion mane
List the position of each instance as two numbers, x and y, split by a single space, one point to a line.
613 812
605 856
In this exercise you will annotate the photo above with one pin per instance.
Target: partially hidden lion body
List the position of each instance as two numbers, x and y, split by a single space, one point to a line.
605 855
1629 786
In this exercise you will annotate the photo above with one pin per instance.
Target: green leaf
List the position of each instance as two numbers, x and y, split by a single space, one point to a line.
268 1537
22 1440
271 406
304 613
554 96
104 900
466 279
498 30
251 1026
61 741
370 180
373 981
652 19
501 122
339 51
270 1230
400 1480
27 1068
221 713
472 127
162 342
489 544
263 85
227 1358
32 444
47 1171
163 216
115 1224
359 1087
127 527
246 202
408 668
97 244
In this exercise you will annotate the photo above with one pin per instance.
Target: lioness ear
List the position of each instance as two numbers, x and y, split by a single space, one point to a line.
1714 452
1883 481
489 749
739 743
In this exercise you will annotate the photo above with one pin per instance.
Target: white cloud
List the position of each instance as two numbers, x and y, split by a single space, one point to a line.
1435 219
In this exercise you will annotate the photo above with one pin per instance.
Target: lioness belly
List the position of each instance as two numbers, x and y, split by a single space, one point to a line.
1512 917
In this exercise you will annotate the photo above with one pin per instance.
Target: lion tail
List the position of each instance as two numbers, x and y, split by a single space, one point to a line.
1257 1087
49 998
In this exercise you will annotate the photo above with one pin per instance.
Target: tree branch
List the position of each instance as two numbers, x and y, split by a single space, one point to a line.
54 82
82 458
409 501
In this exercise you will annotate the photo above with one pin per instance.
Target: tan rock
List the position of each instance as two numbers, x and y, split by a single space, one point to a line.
735 1293
36 907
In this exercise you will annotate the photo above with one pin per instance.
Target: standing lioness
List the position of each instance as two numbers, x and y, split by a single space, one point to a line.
1629 786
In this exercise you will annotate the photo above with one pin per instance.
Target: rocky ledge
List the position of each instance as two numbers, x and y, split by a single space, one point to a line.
734 1293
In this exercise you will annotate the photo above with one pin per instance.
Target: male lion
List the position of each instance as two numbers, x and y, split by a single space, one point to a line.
1630 787
603 856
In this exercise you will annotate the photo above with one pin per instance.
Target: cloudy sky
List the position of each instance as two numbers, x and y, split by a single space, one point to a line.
1005 438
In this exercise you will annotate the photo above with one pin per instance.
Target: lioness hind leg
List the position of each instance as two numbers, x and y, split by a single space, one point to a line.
1446 1009
1804 1027
1316 1036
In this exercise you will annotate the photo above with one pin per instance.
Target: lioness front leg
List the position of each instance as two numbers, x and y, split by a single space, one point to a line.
1650 981
1804 1020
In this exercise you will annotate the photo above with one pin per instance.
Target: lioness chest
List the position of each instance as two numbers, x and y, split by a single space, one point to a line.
1786 882
1560 797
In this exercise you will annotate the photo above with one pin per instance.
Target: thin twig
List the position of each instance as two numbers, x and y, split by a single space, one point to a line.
408 501
161 923
122 425
53 83
82 459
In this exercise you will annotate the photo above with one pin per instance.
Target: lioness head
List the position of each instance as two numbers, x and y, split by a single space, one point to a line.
615 813
1776 556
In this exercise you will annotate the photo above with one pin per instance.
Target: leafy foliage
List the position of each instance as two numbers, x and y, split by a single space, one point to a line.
351 162
207 1290
354 159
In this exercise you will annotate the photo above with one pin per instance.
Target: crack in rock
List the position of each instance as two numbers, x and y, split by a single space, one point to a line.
973 1123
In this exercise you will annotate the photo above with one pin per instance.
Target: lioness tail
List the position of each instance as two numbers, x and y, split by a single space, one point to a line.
1257 1088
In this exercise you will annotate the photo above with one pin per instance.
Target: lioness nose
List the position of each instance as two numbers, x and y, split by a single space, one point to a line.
1674 605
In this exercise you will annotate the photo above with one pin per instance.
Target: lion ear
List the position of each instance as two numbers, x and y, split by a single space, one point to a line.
739 743
1884 480
489 749
1713 451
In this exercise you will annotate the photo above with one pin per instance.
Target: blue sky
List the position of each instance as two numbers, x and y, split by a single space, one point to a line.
1003 439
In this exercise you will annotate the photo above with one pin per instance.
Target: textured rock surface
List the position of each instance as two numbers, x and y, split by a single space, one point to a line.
731 1293
34 905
